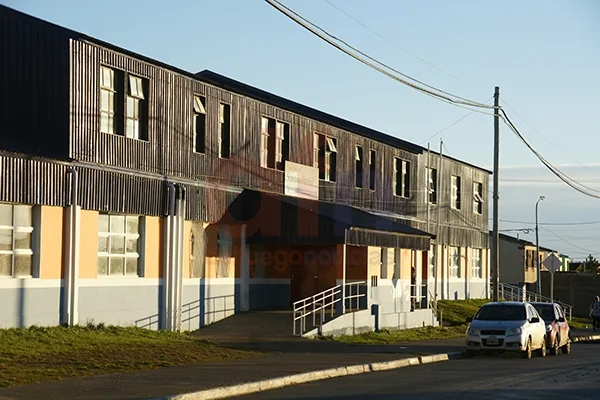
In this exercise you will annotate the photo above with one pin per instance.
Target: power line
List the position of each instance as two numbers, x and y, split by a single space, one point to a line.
445 96
567 242
549 223
391 42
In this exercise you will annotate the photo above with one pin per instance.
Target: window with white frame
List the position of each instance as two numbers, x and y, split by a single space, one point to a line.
134 127
476 257
325 156
454 262
401 178
16 232
274 143
119 245
358 166
107 100
478 198
199 124
456 192
431 185
384 263
432 260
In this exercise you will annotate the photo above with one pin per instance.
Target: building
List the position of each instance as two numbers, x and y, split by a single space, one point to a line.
137 193
517 261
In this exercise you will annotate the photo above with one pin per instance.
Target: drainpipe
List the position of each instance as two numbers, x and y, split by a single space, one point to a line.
167 262
182 208
175 258
71 295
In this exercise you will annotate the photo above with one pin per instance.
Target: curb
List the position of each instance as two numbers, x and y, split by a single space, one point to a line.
313 376
589 338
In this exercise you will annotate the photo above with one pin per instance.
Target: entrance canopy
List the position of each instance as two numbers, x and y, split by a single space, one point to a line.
278 219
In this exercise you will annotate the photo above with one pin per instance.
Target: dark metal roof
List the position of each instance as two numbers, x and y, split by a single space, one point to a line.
253 92
523 242
270 98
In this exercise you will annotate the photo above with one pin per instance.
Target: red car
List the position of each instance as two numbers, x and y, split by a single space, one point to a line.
557 327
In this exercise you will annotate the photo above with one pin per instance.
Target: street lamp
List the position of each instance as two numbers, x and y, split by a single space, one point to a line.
537 248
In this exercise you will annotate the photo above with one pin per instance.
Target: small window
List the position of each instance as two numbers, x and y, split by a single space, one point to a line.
456 192
274 143
325 153
135 87
372 169
118 245
476 256
431 183
199 124
401 178
478 198
224 130
358 168
454 262
107 100
137 109
16 240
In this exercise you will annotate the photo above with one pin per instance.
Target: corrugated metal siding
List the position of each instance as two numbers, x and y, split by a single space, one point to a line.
34 86
29 181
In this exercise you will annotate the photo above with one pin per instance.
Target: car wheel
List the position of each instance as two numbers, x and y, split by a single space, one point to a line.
527 353
566 349
555 346
542 350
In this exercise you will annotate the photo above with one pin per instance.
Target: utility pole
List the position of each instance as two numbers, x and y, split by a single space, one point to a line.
495 265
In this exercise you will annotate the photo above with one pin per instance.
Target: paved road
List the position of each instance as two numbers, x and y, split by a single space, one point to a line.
576 376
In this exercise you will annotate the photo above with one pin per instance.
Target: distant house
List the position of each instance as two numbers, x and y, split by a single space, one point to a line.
517 261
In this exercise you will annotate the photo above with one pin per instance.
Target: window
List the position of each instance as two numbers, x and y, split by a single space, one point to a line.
401 178
16 231
372 167
432 260
107 100
431 184
384 263
325 152
224 130
456 186
118 245
274 143
359 165
397 258
136 109
224 246
476 256
199 124
478 198
454 262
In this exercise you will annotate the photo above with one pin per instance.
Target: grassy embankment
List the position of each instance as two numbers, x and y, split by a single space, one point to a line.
454 315
39 354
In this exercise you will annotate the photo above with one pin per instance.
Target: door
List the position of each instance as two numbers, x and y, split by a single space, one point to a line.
304 282
563 326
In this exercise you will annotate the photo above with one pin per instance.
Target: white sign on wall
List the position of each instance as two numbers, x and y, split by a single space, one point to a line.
301 181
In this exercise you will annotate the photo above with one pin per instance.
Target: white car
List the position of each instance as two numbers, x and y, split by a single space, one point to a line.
506 326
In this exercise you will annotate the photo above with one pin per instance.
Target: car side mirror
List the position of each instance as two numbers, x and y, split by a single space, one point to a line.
469 319
535 320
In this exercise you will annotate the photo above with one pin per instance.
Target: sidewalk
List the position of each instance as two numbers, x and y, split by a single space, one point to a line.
168 381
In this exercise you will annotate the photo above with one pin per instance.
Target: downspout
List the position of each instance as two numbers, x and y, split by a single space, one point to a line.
182 208
75 225
174 259
72 255
168 250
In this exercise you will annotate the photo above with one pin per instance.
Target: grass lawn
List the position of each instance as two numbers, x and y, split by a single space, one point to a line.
454 315
580 323
39 354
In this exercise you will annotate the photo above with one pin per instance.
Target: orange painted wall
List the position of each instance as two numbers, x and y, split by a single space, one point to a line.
153 248
51 242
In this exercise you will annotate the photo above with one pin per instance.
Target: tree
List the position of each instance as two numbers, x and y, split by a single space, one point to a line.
591 264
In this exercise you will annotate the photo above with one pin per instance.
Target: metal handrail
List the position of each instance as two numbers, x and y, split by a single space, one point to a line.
319 303
517 293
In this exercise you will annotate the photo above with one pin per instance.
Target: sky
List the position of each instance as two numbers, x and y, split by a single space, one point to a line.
544 56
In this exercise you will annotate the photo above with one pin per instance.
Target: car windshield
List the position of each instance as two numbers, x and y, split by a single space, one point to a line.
501 312
547 313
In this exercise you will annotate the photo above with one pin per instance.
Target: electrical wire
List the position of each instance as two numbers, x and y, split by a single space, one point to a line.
567 242
457 100
392 43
